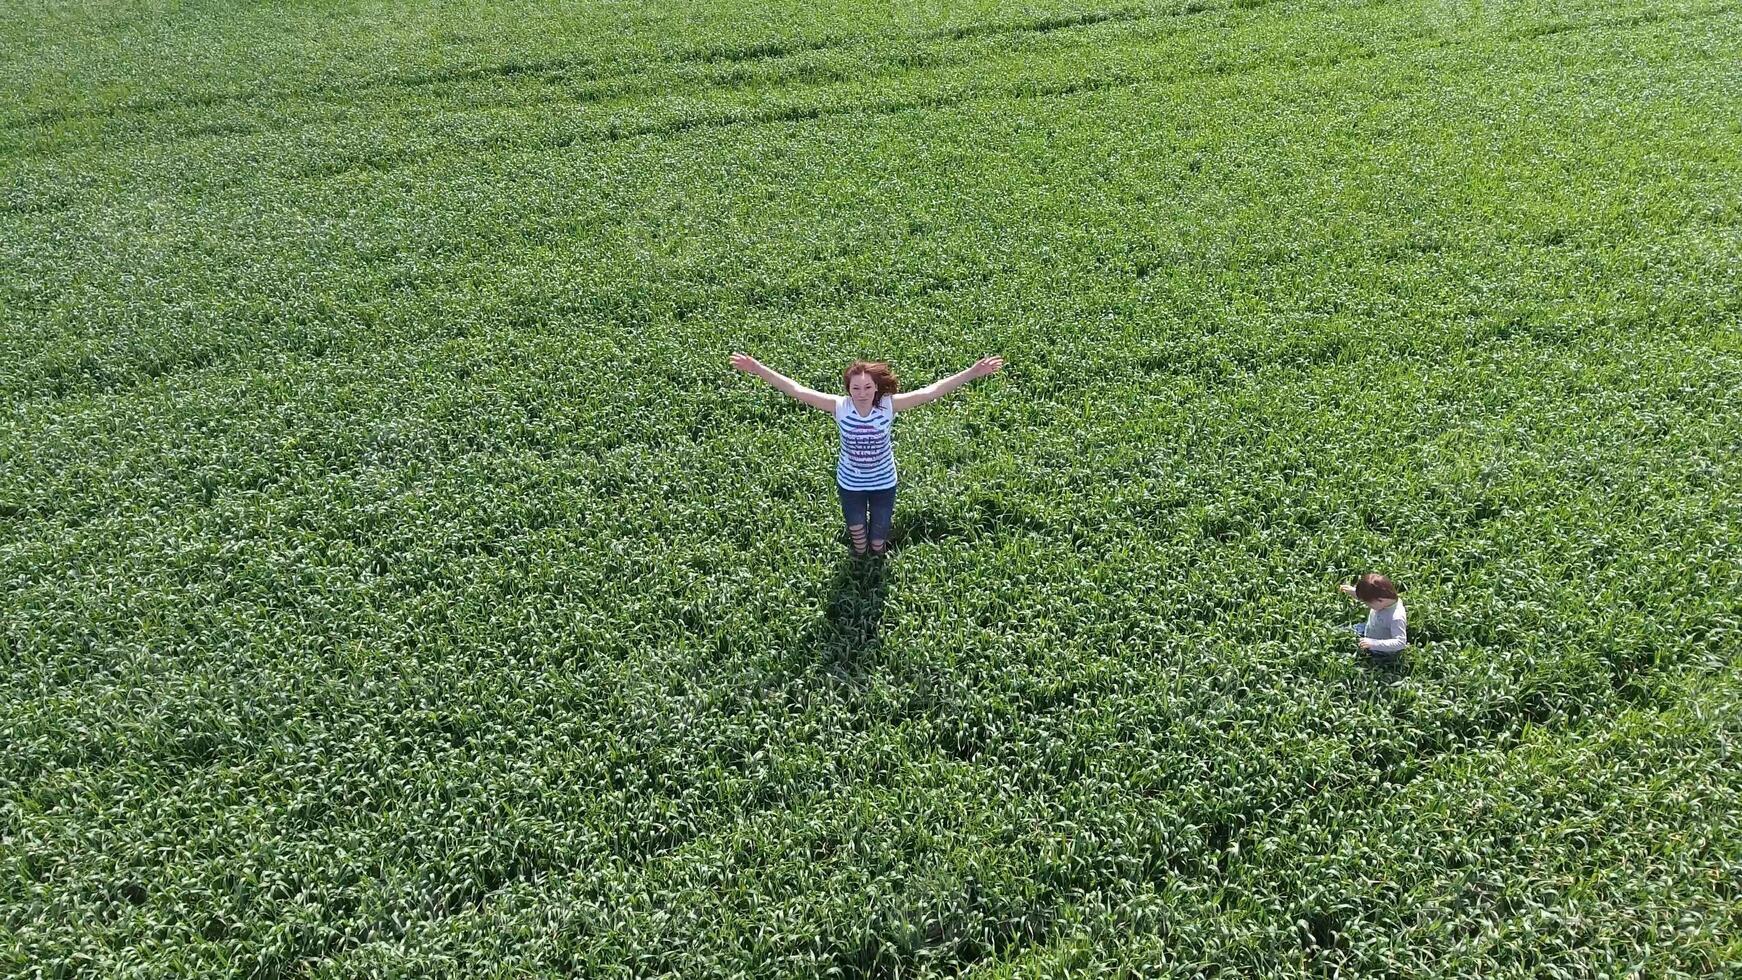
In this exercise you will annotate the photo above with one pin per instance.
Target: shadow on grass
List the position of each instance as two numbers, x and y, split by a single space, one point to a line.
1363 675
850 634
850 637
1389 668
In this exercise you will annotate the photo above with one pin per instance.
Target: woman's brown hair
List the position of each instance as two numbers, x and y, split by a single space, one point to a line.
1374 586
880 374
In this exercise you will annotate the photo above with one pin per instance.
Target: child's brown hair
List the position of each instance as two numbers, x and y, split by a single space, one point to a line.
880 374
1374 586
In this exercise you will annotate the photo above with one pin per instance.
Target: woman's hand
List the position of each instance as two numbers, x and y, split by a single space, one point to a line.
938 389
1347 589
986 366
1366 644
783 384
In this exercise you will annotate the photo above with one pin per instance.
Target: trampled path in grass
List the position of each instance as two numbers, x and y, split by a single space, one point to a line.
397 581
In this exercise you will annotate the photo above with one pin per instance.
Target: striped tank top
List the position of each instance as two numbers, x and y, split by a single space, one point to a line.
867 455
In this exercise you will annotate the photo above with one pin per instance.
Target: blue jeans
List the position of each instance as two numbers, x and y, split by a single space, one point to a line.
879 504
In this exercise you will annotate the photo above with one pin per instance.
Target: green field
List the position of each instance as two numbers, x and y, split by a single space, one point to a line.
398 582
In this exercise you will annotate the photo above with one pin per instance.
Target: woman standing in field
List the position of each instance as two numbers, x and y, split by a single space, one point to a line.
865 473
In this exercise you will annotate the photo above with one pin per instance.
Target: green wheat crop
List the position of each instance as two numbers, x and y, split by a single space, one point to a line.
397 582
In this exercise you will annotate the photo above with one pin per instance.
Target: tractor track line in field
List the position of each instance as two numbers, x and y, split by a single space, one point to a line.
586 69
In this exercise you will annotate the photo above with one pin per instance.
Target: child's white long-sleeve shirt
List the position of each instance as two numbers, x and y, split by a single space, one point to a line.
1387 628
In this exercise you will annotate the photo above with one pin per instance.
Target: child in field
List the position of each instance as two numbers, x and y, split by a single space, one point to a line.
1385 630
865 471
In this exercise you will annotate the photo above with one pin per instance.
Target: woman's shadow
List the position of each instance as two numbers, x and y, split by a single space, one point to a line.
849 636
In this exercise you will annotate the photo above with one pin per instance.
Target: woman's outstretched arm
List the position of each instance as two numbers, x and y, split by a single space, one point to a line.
938 389
784 384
